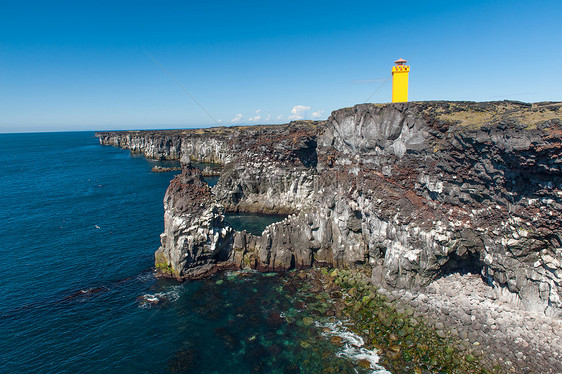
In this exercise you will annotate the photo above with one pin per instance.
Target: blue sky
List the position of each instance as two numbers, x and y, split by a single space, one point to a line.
86 65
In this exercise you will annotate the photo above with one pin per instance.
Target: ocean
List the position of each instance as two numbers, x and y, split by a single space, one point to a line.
80 225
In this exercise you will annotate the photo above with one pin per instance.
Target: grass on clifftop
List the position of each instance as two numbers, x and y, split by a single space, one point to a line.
483 114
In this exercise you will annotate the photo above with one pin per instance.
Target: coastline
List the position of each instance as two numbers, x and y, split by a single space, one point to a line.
409 197
464 329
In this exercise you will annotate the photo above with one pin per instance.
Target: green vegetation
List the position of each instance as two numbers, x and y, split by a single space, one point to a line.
162 266
475 115
407 344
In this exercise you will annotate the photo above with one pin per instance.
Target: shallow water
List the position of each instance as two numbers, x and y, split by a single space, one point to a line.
252 223
211 180
81 223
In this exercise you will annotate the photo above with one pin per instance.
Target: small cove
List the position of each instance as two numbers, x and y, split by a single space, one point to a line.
253 223
211 180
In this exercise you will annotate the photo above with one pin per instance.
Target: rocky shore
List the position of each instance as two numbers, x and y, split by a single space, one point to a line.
165 169
492 327
454 206
456 325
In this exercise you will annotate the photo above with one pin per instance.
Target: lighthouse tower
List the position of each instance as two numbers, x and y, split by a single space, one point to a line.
400 81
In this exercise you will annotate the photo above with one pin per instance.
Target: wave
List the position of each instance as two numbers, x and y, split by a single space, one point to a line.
148 300
353 346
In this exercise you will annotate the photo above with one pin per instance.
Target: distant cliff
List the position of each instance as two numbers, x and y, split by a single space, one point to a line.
406 191
216 144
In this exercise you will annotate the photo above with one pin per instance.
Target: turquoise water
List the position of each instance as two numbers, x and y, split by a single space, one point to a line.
252 223
80 226
212 180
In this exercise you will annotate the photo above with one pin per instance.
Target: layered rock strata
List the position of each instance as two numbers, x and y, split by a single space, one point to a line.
196 241
408 192
218 145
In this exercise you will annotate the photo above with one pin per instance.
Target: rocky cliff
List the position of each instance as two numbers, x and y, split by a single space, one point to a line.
195 240
408 192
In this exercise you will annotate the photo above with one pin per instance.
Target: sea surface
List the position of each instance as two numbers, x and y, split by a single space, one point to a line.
80 225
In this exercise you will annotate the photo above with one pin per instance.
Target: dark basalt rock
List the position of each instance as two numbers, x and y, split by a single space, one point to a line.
196 240
411 190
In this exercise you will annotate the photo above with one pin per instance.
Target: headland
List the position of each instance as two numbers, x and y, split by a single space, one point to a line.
452 210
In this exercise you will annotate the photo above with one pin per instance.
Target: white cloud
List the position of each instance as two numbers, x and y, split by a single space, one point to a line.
299 111
317 114
257 117
237 118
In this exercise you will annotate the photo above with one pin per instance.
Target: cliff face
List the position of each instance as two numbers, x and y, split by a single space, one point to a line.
196 239
436 195
217 145
411 191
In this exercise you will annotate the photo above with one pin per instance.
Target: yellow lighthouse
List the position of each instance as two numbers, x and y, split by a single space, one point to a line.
400 81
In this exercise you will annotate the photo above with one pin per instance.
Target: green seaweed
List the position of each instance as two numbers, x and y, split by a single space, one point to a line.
406 343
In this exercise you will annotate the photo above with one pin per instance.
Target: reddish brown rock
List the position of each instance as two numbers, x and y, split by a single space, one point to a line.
411 190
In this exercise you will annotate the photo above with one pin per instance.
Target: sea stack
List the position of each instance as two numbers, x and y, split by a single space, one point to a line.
195 237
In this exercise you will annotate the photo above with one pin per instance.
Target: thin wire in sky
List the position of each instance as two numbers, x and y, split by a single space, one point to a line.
377 90
180 86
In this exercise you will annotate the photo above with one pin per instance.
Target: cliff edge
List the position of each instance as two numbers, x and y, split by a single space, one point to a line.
408 192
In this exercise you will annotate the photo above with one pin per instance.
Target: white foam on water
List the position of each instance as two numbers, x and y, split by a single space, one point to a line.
145 277
353 346
149 300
